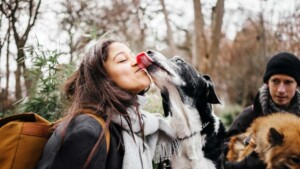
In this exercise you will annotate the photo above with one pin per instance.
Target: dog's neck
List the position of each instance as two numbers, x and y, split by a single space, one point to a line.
185 118
207 115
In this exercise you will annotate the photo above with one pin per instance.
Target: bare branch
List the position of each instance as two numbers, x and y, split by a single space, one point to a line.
31 21
13 21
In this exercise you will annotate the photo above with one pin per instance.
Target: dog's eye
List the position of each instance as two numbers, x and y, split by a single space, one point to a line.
179 61
295 160
284 167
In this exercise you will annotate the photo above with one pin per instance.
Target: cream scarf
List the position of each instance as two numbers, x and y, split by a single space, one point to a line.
158 143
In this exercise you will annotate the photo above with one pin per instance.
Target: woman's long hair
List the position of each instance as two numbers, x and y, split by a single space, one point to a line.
91 87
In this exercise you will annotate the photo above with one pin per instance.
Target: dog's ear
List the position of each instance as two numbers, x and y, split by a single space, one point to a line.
274 137
211 94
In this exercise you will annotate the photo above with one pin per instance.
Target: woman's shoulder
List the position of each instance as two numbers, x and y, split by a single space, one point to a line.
84 119
84 124
75 142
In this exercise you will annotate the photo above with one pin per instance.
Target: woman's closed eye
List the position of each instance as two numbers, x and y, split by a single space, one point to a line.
121 58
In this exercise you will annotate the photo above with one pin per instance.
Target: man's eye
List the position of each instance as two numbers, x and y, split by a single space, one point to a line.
288 82
275 81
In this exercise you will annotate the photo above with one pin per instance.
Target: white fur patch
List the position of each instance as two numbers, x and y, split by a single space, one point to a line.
217 121
185 121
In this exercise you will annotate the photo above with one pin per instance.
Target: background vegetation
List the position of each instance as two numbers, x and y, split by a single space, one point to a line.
227 39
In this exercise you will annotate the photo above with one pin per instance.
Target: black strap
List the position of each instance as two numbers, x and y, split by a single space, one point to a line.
26 117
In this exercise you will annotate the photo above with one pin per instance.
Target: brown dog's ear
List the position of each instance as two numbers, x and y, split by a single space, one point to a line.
211 94
275 138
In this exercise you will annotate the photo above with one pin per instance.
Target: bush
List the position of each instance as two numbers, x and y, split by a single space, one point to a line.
47 75
230 113
154 101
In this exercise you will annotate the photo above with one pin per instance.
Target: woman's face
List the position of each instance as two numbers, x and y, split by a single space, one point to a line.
122 68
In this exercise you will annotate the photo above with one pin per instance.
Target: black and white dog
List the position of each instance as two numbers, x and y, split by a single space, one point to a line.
187 98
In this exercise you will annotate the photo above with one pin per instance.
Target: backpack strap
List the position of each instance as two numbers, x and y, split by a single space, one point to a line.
105 128
26 117
100 119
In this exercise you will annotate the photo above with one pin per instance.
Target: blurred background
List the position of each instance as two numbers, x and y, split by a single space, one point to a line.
41 43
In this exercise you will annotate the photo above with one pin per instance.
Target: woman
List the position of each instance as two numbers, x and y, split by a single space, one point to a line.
108 82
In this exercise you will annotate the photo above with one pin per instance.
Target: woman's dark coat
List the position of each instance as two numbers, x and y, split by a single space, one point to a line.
81 136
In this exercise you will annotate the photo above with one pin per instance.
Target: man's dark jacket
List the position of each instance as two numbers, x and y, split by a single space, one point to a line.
240 124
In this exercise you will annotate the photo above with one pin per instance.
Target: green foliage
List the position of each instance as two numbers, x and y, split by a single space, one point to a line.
154 101
46 75
229 114
155 166
6 113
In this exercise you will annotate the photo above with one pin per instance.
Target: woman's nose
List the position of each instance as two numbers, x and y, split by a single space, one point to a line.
133 61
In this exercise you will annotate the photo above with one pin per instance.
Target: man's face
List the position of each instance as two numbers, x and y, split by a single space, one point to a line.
282 89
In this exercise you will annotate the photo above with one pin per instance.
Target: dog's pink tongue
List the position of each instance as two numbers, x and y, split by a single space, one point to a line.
143 60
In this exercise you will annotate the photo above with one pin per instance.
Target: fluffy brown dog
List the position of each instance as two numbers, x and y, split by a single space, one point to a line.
237 150
276 139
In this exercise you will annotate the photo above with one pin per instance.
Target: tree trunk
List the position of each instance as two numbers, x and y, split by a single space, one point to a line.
71 46
172 47
7 65
18 89
262 49
217 21
141 13
20 41
21 71
200 53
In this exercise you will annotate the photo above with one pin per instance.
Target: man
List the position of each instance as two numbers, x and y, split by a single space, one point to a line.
278 94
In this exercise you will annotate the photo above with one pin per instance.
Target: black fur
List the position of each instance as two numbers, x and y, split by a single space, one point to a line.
165 101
